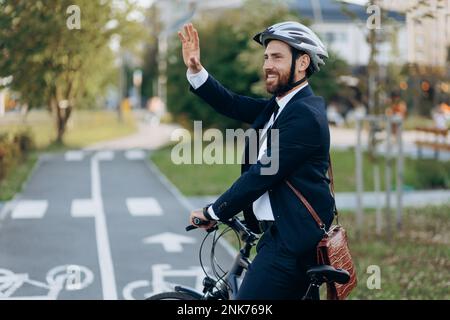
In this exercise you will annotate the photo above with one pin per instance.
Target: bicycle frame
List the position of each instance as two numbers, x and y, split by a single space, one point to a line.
227 288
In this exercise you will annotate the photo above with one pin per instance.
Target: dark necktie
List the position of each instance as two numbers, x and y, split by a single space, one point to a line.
276 108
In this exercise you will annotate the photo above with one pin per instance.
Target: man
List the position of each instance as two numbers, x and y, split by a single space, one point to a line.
287 248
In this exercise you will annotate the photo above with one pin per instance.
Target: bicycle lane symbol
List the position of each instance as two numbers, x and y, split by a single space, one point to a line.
159 283
65 277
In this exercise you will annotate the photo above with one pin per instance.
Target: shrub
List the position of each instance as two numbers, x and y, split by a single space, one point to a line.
431 174
25 142
14 150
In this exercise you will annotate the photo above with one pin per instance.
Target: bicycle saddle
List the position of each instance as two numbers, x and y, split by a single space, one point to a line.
326 273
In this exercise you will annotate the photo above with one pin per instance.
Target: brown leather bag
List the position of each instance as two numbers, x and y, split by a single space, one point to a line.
333 249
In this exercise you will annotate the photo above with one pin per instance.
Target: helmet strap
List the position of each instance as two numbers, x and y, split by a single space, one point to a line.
295 55
291 84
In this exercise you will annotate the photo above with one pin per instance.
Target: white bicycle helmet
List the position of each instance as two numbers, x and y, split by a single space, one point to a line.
298 36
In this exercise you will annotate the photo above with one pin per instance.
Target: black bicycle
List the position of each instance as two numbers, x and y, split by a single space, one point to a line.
225 286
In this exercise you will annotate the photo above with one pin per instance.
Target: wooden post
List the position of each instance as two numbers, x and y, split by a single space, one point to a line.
399 178
388 176
359 178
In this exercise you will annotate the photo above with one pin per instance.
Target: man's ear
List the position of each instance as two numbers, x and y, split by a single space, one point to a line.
304 62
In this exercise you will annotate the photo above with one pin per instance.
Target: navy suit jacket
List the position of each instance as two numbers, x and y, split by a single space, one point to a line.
303 150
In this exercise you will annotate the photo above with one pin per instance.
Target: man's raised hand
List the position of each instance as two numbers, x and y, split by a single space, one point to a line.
190 48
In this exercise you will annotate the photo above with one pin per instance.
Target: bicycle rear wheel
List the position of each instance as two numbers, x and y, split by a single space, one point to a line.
171 296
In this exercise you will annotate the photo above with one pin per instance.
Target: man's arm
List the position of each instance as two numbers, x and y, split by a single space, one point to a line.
299 138
224 101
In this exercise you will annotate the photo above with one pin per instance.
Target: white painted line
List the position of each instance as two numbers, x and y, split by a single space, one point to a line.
127 291
144 207
74 155
104 155
162 271
9 205
101 233
30 209
82 208
6 209
177 194
171 242
135 155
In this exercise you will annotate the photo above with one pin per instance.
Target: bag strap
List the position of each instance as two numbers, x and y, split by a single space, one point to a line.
330 175
309 207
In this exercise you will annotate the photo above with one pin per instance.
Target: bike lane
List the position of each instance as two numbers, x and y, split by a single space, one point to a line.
41 241
146 223
99 225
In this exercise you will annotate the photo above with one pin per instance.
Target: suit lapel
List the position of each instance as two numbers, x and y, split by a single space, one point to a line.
264 116
259 123
262 119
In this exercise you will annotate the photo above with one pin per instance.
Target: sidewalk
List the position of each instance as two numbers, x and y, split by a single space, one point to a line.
347 200
151 137
342 139
148 137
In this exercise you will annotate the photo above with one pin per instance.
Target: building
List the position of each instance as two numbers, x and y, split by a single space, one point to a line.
346 34
428 29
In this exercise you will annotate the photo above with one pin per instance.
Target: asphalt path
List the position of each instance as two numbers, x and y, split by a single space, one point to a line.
99 225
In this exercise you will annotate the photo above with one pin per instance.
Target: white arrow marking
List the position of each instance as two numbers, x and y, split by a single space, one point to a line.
171 242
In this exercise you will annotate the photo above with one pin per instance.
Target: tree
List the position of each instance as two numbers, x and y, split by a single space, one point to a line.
59 54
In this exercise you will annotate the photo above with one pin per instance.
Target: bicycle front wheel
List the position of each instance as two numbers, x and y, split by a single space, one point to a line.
171 296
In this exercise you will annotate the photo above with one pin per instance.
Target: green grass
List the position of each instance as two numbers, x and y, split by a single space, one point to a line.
196 179
414 264
84 128
14 180
204 179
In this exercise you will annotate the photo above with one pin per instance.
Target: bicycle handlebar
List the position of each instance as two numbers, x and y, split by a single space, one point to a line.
197 222
234 223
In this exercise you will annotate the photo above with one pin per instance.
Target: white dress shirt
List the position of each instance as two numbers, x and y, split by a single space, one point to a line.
261 206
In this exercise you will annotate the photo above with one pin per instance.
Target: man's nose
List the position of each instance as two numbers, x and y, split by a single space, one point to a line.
267 65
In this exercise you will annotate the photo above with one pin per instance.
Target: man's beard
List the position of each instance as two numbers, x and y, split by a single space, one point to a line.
282 86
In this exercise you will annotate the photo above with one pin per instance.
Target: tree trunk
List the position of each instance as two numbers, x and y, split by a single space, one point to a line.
62 116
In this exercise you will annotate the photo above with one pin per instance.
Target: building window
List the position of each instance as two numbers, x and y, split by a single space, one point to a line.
331 37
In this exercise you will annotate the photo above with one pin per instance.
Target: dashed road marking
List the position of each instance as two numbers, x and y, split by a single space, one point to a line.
30 209
74 155
104 155
135 155
82 208
144 207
